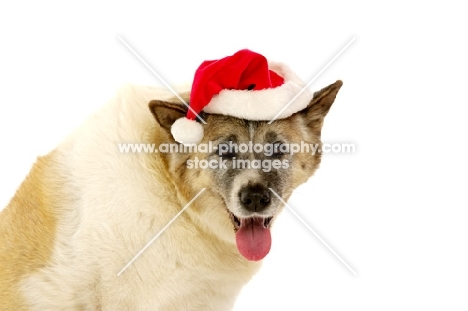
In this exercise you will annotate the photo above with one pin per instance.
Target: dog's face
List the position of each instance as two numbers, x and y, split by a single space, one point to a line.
247 166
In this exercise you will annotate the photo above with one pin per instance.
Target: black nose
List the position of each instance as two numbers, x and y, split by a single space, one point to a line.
254 198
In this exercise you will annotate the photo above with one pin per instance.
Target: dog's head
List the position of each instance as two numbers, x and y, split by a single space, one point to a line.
246 167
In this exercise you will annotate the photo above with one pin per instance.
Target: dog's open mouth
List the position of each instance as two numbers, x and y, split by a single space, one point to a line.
237 222
253 236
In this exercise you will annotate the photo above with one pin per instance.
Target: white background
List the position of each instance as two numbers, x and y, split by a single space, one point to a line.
396 210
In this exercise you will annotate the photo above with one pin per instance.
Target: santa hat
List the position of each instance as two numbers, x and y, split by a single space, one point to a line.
244 85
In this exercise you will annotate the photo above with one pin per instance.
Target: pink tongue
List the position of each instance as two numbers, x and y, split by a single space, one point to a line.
253 239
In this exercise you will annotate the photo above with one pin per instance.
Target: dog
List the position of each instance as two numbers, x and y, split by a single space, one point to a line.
86 209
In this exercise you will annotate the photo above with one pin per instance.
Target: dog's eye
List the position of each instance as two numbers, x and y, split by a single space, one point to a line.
278 149
226 151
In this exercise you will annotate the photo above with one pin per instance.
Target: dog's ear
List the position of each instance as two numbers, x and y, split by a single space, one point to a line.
166 113
321 103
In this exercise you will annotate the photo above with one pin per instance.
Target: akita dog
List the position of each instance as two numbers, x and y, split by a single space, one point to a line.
86 209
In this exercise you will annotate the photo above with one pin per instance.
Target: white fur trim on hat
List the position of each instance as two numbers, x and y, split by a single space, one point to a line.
187 131
263 104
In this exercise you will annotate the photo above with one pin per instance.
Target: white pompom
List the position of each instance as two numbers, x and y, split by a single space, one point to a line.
187 131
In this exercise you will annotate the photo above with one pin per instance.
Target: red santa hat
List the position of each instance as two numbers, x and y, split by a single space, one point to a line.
244 85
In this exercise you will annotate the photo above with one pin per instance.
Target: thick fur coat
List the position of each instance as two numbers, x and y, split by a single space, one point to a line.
86 209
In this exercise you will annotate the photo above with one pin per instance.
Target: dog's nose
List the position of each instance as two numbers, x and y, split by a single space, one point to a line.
254 198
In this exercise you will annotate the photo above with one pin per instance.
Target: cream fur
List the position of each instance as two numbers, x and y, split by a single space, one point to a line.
112 204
